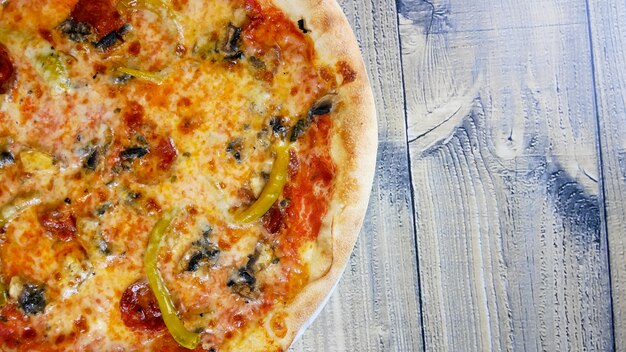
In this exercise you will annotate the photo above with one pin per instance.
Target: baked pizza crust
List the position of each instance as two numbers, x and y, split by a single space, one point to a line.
354 147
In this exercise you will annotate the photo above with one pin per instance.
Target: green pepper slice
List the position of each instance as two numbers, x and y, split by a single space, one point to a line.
4 297
272 190
154 77
175 326
54 71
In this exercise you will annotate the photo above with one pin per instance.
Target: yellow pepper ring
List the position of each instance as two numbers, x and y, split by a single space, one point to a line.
272 190
175 326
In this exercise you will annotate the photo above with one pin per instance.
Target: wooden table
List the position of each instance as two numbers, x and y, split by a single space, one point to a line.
497 219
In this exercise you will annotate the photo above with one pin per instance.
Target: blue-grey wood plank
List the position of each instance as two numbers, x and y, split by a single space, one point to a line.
608 33
503 131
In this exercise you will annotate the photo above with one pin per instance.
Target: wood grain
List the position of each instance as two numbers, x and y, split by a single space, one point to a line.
376 305
503 132
608 28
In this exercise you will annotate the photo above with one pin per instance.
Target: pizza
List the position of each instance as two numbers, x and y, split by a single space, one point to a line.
177 175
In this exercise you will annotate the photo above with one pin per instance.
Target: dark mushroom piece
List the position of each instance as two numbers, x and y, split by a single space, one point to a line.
243 283
204 252
231 46
91 163
76 31
6 159
321 107
31 299
132 153
234 148
302 27
206 255
278 126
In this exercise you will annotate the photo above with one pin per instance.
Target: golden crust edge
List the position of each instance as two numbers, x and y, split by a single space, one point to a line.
335 41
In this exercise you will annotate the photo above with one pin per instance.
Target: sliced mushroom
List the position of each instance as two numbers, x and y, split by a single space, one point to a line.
6 159
322 106
32 299
243 283
230 49
76 31
203 252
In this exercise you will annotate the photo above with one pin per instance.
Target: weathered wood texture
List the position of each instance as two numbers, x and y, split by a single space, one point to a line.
608 33
375 307
503 149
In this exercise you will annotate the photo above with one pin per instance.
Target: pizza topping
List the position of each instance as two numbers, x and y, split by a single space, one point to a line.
33 161
272 190
76 31
302 27
111 39
17 206
298 129
132 153
166 153
175 326
234 148
231 46
4 295
273 219
53 70
204 252
140 309
6 159
154 77
101 15
31 299
59 222
76 270
262 258
7 72
91 162
321 107
278 126
243 283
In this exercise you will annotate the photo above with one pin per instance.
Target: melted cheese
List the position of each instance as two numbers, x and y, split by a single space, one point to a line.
70 103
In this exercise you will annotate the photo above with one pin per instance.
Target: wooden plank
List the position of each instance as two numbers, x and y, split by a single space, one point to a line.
608 28
504 167
376 305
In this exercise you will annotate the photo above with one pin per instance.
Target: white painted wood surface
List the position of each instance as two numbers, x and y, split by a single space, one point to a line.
497 217
608 33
